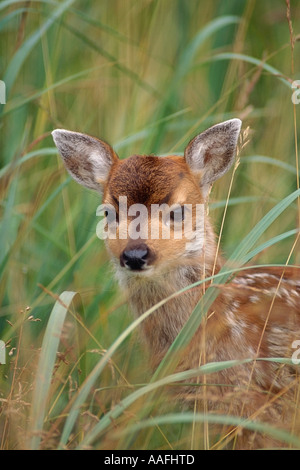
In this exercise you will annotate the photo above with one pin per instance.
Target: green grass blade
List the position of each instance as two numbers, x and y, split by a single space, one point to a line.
252 60
188 55
11 15
189 417
19 102
9 225
152 386
184 65
206 369
241 254
234 201
8 3
95 373
113 60
46 364
28 45
271 242
269 161
35 153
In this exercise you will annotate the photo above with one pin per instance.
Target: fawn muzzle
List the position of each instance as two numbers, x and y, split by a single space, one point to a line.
136 257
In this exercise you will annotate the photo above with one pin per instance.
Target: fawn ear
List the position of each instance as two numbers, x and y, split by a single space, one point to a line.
87 159
211 153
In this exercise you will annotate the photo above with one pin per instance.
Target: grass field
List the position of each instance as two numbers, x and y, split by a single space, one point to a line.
146 76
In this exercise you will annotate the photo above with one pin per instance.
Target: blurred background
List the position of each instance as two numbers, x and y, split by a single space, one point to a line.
145 76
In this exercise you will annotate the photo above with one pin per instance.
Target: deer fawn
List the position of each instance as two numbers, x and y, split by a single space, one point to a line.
255 315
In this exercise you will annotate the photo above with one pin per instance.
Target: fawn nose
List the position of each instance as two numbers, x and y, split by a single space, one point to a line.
136 257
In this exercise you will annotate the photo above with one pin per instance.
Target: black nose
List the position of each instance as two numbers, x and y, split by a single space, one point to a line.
136 257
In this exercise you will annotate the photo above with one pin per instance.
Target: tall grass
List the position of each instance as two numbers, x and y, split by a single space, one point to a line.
145 76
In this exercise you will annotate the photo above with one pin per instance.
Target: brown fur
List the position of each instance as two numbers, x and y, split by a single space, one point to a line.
256 315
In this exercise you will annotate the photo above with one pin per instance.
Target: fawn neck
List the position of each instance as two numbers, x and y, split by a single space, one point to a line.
160 329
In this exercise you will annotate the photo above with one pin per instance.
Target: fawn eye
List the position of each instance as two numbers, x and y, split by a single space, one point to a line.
111 215
177 214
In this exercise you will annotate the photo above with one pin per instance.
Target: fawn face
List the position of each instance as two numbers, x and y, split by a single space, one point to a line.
156 223
154 206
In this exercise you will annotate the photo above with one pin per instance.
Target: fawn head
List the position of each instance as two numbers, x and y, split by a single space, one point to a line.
153 206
